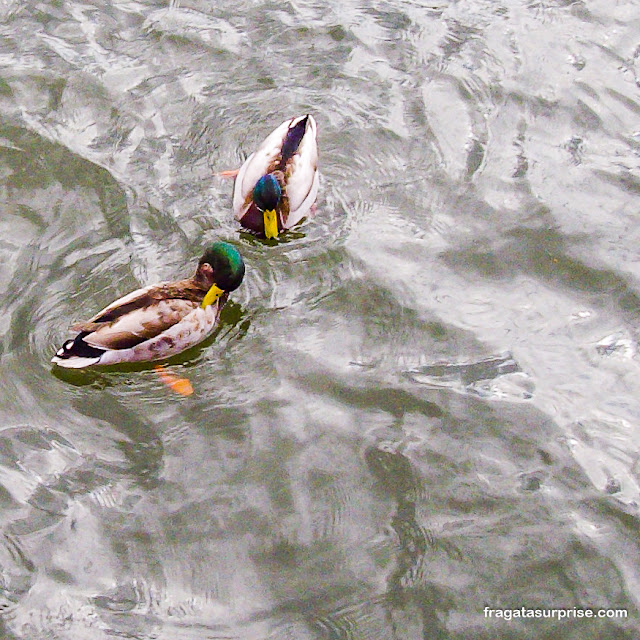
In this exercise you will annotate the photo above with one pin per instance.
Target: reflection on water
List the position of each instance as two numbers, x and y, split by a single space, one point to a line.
420 403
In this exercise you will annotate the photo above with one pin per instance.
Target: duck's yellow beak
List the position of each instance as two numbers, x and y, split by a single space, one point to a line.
270 224
211 296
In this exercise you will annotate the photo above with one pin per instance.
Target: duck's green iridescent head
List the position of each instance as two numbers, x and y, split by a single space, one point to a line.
267 193
225 266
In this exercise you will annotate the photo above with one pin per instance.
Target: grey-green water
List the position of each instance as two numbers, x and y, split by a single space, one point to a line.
422 404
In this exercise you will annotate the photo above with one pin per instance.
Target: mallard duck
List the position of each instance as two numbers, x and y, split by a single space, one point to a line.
160 320
278 184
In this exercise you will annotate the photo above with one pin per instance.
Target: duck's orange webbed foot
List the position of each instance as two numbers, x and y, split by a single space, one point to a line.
180 385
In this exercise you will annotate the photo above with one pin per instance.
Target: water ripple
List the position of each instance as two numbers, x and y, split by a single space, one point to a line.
343 469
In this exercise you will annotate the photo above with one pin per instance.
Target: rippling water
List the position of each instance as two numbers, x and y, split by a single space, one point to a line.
423 403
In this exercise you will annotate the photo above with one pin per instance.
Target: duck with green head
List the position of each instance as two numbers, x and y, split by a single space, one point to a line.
277 185
160 320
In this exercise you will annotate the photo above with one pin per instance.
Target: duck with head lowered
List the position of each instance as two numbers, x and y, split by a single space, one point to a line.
160 320
278 184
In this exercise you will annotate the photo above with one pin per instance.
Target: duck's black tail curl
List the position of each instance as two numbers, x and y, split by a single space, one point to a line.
78 348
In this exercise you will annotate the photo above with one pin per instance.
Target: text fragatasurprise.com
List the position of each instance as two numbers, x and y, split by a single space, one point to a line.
554 614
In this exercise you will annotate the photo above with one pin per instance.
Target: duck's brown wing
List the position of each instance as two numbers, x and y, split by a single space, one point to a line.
141 298
141 315
139 325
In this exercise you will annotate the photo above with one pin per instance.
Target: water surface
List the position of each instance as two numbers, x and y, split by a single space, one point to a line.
421 404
